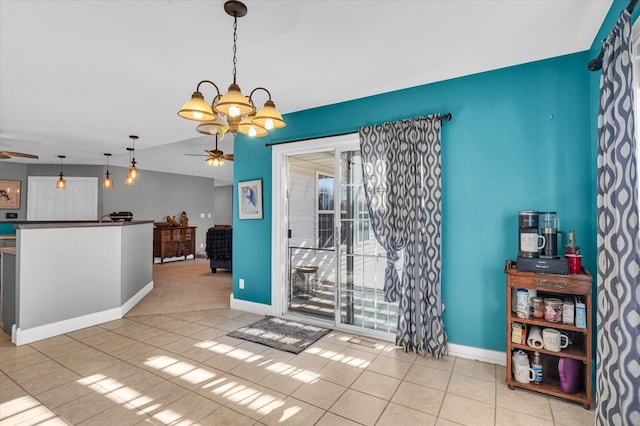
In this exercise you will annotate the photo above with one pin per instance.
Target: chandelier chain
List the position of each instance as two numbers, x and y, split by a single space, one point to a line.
235 39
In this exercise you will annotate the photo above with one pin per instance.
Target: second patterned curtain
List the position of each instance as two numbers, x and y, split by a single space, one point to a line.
402 181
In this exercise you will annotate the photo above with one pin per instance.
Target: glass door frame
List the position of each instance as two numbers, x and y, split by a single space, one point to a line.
280 225
280 207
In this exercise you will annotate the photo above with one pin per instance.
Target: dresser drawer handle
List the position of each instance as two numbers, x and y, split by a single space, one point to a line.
549 284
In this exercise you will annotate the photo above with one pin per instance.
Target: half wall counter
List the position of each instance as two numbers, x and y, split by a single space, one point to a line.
75 275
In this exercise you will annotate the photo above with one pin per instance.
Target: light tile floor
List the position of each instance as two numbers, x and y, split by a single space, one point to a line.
182 369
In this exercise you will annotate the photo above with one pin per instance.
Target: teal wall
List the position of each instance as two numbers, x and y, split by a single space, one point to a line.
519 140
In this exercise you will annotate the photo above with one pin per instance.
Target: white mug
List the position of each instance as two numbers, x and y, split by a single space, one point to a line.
529 242
523 373
554 340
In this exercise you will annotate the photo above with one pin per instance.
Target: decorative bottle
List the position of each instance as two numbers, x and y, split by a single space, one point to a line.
536 366
572 247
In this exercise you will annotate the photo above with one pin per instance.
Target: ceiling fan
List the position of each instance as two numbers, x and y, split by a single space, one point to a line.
8 154
215 156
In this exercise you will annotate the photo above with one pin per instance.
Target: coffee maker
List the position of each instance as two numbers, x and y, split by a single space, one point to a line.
538 243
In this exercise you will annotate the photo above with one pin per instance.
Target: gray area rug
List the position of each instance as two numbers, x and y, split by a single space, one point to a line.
290 336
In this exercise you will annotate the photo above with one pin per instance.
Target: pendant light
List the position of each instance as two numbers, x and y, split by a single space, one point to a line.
133 174
239 110
61 184
107 182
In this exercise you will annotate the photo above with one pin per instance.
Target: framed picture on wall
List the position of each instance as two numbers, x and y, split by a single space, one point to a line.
9 194
250 199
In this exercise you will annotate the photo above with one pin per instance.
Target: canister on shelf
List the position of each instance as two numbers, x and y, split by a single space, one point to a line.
537 307
522 303
553 309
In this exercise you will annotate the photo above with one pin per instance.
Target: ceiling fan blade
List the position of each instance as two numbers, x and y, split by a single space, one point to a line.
9 154
199 155
228 157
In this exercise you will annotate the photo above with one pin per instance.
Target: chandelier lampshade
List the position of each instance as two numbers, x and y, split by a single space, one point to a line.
233 105
196 109
249 127
269 117
213 127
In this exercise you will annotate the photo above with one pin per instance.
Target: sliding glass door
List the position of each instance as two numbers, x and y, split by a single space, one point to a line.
311 247
361 259
332 267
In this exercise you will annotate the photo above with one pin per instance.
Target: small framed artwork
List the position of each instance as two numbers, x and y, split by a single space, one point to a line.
9 194
250 199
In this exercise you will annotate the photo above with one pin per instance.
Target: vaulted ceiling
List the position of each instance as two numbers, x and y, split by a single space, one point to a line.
78 77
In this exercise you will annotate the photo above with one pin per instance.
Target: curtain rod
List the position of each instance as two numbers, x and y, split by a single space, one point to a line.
596 64
446 117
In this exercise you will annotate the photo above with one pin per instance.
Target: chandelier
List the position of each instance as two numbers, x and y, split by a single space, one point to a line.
239 110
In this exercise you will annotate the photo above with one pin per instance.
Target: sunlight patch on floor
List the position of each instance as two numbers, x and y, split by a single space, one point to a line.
131 399
220 348
23 408
198 375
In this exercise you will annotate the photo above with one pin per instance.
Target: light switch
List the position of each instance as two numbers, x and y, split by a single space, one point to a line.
201 215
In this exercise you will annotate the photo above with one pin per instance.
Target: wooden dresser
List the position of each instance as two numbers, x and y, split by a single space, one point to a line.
174 242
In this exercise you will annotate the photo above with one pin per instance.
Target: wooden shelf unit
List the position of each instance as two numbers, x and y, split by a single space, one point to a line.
174 242
558 286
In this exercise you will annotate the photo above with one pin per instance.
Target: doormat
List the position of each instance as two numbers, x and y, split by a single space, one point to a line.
278 333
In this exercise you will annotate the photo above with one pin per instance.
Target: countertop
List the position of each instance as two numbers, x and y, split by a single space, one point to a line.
8 250
79 224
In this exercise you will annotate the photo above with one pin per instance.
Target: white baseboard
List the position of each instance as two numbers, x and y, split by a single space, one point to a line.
471 352
129 304
253 307
23 337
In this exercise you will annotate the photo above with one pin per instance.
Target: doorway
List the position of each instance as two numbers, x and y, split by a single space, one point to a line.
329 267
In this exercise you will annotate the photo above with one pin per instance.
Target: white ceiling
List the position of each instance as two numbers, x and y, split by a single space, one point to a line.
78 77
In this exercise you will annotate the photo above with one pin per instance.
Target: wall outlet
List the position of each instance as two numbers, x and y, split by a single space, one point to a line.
201 245
241 283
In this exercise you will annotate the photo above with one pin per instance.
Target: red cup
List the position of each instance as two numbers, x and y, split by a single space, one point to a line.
571 250
575 261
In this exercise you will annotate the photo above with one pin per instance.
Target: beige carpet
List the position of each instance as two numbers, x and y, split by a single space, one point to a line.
185 286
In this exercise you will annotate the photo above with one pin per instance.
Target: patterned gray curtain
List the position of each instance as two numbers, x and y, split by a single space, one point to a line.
401 176
618 362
